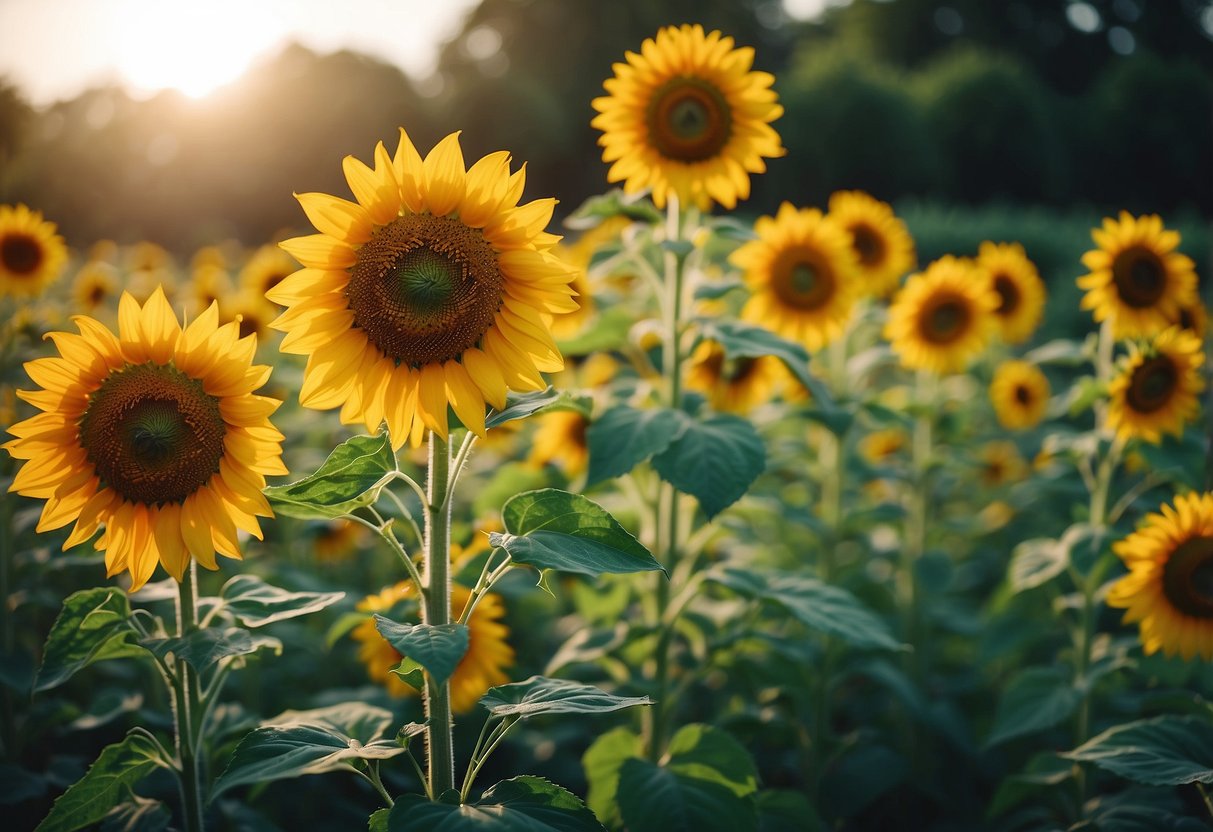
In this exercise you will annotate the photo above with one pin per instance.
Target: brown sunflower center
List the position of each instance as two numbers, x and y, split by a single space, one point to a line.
689 120
1187 577
272 279
1009 295
944 319
153 434
868 244
425 289
804 280
1140 277
1152 384
1023 395
20 253
97 294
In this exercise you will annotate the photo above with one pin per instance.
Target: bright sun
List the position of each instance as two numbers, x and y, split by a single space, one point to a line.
191 47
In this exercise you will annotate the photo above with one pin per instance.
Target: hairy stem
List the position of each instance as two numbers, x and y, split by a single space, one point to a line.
188 705
440 727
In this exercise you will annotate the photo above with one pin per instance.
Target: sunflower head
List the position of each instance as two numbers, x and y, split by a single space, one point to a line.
943 317
155 434
1157 389
210 283
880 446
1169 588
1020 395
482 666
339 540
1194 318
802 274
1138 281
688 118
433 290
1000 462
561 439
1021 292
884 249
733 385
268 266
95 288
31 254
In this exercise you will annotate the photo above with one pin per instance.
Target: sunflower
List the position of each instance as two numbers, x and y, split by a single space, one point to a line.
95 287
209 284
266 268
1169 588
482 666
338 540
1194 317
155 434
803 275
252 313
1137 281
1000 463
883 246
566 325
208 256
1021 292
942 318
733 385
1020 394
560 439
880 446
1157 390
431 291
687 118
31 254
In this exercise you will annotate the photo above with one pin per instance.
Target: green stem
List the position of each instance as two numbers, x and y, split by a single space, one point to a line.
916 525
188 705
8 721
372 775
440 727
831 455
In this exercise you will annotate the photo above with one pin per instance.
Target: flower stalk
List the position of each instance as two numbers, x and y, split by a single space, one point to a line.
187 705
437 608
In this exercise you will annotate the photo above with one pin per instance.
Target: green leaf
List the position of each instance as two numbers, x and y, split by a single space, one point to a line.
254 603
817 605
708 753
377 822
602 761
624 437
1044 773
93 625
744 340
657 799
522 405
1035 562
437 647
1084 393
105 784
716 460
520 804
553 529
1164 751
139 814
1062 351
715 289
1035 699
608 331
614 203
204 648
540 695
296 743
349 479
780 810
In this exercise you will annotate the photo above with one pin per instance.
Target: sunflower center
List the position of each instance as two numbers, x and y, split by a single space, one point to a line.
425 289
1187 578
804 281
20 253
945 319
737 369
153 434
1023 395
1152 385
1139 277
868 244
689 120
1008 295
96 295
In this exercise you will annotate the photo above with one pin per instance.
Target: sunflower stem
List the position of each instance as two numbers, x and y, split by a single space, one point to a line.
439 730
916 524
188 705
8 723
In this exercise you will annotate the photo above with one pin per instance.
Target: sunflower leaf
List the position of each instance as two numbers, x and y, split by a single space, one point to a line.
522 405
656 798
1035 699
254 603
553 529
744 340
1164 751
540 695
623 437
614 203
350 478
715 459
206 647
296 743
437 647
93 625
520 804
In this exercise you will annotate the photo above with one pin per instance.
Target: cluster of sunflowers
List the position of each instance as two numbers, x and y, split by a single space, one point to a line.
803 360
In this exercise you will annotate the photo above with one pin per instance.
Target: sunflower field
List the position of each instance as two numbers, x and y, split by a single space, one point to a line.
447 512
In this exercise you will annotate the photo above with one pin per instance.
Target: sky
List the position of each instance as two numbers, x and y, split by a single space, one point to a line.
53 49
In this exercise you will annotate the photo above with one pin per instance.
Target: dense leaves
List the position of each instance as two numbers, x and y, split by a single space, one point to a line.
521 804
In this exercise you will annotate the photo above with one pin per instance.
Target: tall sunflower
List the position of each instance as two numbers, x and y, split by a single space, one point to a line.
155 434
802 274
482 666
737 385
430 291
1021 292
31 254
1020 395
883 247
1169 588
687 117
1157 391
1138 280
942 318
